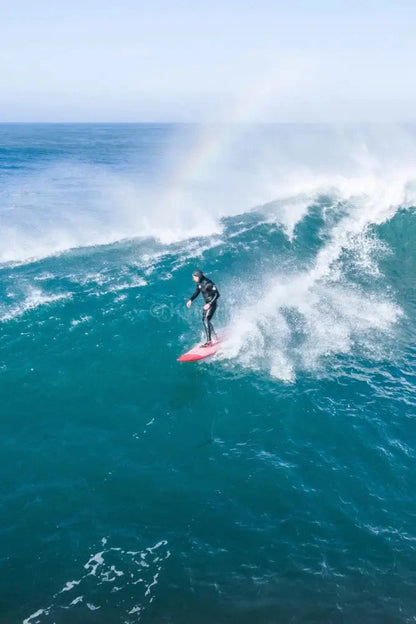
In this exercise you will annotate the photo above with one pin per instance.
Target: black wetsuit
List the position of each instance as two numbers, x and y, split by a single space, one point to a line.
210 293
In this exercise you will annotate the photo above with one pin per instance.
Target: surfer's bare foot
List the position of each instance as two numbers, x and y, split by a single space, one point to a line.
207 344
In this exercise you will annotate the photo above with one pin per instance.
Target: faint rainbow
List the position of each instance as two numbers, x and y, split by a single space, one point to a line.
216 141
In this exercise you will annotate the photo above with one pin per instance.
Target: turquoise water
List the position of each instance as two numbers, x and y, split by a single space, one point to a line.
273 483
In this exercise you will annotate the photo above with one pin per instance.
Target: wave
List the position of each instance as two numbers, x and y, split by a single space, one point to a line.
296 317
291 303
68 204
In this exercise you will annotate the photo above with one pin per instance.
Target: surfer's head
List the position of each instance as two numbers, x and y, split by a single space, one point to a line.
197 276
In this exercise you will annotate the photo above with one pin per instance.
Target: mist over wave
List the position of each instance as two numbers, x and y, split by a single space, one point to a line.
207 174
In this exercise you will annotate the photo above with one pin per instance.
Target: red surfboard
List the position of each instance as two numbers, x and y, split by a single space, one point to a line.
200 353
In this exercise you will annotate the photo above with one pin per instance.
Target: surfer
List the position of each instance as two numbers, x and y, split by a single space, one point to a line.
210 293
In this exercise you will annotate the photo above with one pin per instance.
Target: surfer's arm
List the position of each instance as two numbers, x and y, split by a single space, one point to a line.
194 296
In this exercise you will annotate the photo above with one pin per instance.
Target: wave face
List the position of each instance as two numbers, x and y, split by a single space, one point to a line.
275 481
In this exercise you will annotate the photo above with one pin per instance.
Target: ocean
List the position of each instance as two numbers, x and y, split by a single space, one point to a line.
274 482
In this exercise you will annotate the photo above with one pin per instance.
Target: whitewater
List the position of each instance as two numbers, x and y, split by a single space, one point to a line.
274 481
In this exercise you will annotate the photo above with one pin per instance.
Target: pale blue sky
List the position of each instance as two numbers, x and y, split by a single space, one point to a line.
298 60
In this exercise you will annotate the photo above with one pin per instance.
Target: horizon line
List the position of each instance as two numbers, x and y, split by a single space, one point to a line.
212 122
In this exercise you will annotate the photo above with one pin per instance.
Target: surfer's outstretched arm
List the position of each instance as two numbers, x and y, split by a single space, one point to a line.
194 296
196 293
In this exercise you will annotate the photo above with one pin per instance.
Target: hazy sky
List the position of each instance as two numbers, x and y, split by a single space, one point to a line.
160 60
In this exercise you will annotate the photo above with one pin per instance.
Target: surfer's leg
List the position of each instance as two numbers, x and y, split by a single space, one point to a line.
206 320
206 324
210 314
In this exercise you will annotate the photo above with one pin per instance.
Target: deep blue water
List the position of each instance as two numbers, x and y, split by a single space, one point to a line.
273 483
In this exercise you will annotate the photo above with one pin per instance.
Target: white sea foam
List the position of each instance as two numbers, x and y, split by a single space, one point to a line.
69 585
94 562
82 319
297 320
133 283
34 299
116 571
31 619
